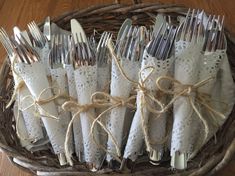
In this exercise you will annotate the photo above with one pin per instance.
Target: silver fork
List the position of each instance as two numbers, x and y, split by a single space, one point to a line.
131 43
162 43
101 52
24 49
83 54
192 29
221 34
214 31
38 38
25 52
7 44
58 51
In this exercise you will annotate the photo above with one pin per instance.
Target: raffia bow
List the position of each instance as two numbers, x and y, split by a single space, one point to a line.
98 100
37 104
193 95
145 94
111 102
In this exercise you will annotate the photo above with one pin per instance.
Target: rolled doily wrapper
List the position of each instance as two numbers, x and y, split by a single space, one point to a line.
59 80
186 71
221 89
34 76
32 123
120 87
136 136
86 85
103 83
77 128
225 85
22 130
24 140
44 55
157 134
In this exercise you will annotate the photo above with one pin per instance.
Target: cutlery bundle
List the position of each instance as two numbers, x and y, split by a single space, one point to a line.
150 93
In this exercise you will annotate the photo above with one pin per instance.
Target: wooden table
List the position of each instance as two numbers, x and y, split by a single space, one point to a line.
20 12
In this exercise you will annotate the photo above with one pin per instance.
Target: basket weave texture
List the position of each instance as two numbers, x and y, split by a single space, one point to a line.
211 158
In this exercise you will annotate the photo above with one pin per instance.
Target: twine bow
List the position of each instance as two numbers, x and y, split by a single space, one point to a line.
112 103
39 101
193 95
145 94
98 100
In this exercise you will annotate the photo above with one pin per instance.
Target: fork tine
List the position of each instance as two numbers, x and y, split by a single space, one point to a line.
221 28
37 35
22 51
100 42
156 40
171 43
5 45
189 29
195 25
120 43
142 41
165 44
136 49
215 35
129 47
104 46
208 44
5 40
34 35
207 32
201 32
128 36
183 32
159 46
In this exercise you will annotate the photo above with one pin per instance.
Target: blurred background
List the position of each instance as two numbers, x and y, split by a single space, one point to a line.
20 12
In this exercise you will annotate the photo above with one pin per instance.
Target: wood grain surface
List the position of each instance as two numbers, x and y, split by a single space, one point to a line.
20 12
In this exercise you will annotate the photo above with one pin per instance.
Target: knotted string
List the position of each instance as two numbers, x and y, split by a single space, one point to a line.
105 100
112 103
193 95
145 94
38 102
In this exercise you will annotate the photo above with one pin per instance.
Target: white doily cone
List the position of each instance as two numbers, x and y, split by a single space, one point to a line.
34 76
86 84
103 82
77 129
120 87
186 71
136 136
221 89
59 80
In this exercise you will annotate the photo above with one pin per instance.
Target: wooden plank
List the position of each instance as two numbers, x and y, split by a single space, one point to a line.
7 169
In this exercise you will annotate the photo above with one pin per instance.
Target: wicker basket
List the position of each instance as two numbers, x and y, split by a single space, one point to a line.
211 158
